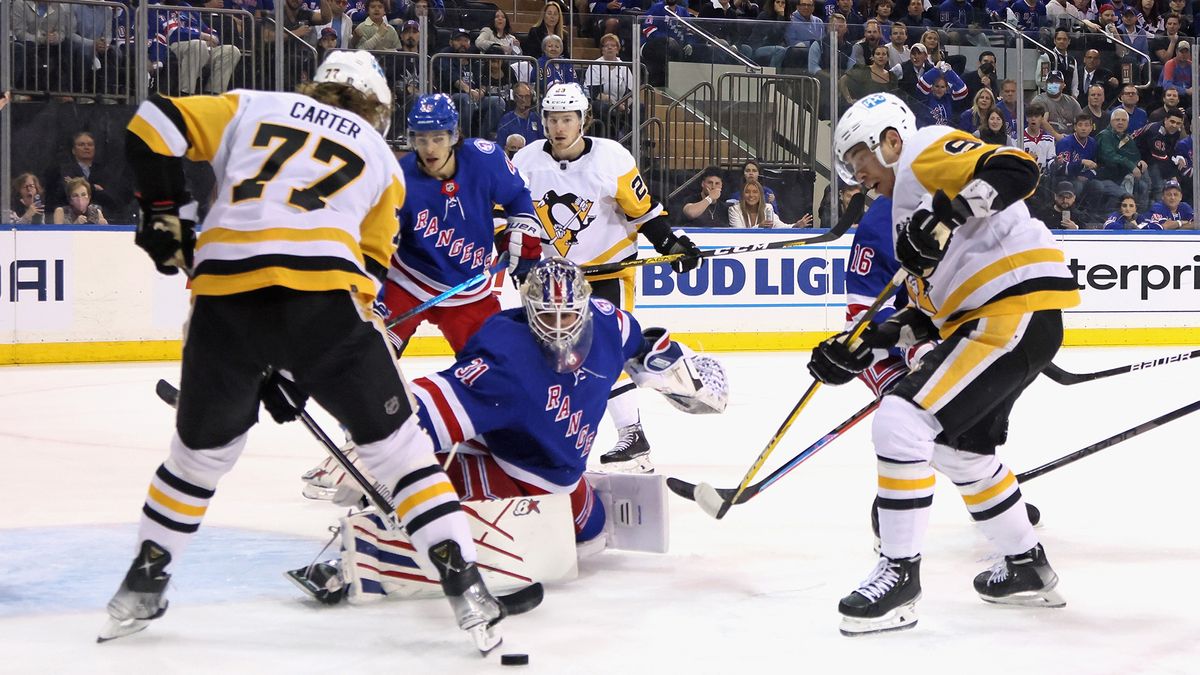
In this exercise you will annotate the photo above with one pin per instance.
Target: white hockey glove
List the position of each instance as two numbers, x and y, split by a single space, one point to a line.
692 382
524 246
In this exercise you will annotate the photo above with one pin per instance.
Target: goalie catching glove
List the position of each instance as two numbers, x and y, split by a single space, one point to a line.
692 382
168 238
835 362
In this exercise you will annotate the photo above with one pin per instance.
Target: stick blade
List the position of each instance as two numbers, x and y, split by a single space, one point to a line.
710 501
682 488
167 392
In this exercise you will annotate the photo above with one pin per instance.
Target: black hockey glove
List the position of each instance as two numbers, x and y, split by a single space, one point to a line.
921 241
833 362
169 239
905 328
282 399
681 244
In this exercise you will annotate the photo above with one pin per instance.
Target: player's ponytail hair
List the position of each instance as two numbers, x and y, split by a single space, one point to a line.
346 97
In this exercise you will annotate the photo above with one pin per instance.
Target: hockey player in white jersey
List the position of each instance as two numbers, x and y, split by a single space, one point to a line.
993 291
593 202
284 270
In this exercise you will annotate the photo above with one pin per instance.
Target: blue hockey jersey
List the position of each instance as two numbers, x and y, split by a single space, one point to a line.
446 231
1070 154
871 266
538 425
1160 213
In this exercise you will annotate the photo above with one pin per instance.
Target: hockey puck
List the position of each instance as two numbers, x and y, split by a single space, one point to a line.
514 659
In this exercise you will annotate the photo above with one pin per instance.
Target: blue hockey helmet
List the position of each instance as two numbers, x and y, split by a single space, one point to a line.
557 302
433 112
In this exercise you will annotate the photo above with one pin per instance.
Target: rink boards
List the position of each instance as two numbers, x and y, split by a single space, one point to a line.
86 293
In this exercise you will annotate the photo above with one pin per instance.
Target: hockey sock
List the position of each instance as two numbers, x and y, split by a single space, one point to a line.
995 503
622 403
905 497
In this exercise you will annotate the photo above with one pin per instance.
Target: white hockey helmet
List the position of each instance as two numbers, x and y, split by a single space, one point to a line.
566 97
865 122
359 70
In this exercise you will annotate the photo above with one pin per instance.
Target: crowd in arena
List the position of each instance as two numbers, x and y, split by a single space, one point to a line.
1108 116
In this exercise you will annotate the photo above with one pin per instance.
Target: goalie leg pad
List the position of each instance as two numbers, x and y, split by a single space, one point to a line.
636 510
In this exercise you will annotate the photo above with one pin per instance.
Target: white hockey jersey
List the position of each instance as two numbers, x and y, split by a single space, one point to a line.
307 194
1006 263
591 208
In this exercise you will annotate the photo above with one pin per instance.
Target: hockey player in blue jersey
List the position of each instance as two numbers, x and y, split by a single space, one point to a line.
524 399
446 231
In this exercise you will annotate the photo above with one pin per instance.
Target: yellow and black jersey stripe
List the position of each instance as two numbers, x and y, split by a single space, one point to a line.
957 158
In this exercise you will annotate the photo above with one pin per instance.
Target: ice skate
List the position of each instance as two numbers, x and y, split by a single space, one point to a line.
631 454
140 599
476 610
1025 579
886 600
321 581
319 481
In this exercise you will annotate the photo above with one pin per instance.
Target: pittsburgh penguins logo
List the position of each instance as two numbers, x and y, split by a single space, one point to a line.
564 217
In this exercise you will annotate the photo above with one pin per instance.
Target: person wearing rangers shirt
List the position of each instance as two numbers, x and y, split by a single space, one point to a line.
1172 213
446 231
1157 143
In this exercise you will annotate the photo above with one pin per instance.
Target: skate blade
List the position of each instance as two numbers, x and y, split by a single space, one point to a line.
901 618
635 465
485 637
318 493
1050 599
118 629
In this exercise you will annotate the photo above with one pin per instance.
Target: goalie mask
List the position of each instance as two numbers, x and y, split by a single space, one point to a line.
557 302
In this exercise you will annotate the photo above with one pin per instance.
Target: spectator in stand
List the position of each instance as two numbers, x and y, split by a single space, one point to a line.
1092 74
1157 143
942 87
845 194
1187 20
1126 216
1171 212
513 144
709 210
917 18
1170 101
1063 14
196 45
1095 109
1137 39
933 45
984 75
523 119
79 209
854 19
44 41
753 211
908 74
1177 73
410 39
804 27
1061 110
1076 155
872 79
883 17
328 40
1030 17
864 49
376 33
1129 103
1120 169
1060 214
665 39
1185 151
609 85
752 172
554 73
769 32
961 21
996 129
498 36
413 12
898 47
1148 15
1058 59
1162 46
818 54
551 23
1007 105
462 79
105 185
1036 140
606 15
340 23
101 61
29 200
976 116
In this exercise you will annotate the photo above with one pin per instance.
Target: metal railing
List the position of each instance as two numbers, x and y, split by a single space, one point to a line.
479 84
50 57
300 60
213 62
784 130
690 139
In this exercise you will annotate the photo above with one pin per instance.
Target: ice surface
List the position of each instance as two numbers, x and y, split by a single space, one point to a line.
757 591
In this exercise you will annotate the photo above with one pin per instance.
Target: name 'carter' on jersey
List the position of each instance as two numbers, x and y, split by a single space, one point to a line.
538 425
446 231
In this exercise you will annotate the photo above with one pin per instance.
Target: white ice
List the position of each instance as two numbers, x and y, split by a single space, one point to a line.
757 591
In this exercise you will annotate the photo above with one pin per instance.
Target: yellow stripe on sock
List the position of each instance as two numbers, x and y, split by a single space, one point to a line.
991 492
907 483
176 505
428 493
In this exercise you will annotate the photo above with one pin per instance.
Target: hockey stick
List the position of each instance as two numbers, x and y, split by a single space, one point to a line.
1065 378
688 490
847 219
170 395
501 260
1108 442
707 496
